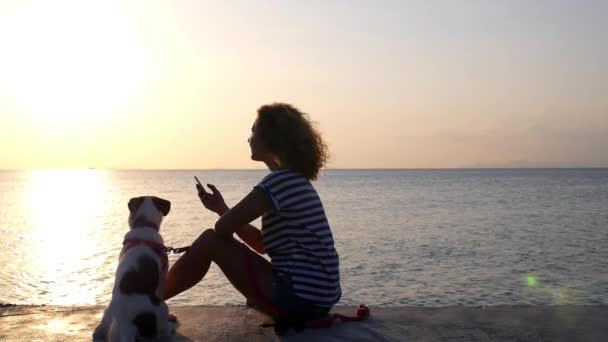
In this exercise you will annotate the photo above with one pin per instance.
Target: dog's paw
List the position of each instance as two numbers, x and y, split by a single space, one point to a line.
173 327
99 334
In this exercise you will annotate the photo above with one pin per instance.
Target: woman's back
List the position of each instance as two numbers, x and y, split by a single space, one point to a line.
298 238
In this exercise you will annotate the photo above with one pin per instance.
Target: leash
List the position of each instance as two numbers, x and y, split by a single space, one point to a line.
361 313
178 250
158 248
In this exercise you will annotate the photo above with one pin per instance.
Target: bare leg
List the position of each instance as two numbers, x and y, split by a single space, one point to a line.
253 279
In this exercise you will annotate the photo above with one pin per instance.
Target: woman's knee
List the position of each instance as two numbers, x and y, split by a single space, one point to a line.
208 234
206 241
210 243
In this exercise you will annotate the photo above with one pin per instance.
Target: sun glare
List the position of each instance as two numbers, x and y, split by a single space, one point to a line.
69 60
65 208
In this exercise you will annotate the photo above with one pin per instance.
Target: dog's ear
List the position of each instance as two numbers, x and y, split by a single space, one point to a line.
162 205
134 203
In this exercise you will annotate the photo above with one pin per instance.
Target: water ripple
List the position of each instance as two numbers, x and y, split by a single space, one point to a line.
405 237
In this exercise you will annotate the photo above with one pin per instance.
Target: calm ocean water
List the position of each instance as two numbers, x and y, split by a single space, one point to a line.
405 237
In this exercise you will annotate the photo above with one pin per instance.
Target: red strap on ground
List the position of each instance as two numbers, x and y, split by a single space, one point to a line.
361 314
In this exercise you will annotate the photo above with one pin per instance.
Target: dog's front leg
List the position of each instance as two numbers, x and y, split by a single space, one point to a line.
102 329
166 329
127 331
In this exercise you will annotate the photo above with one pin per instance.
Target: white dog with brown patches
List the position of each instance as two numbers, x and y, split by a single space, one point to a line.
136 309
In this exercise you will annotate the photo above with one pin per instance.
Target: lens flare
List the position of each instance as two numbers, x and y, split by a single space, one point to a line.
562 297
532 281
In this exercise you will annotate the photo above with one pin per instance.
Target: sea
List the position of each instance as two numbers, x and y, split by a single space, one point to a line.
449 237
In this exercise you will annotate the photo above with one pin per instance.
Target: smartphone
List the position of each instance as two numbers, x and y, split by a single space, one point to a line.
198 181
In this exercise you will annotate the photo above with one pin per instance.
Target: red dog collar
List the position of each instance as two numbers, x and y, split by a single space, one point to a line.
159 249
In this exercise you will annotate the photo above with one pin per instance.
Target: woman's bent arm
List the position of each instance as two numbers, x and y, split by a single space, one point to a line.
252 237
236 220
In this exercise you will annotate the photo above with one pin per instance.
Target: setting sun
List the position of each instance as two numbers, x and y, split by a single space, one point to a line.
73 62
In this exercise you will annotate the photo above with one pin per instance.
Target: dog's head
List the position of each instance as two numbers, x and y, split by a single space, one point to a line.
147 211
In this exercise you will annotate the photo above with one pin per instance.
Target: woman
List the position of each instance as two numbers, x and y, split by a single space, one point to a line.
303 279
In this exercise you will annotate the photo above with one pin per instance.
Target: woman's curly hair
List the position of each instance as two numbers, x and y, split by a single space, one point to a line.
289 133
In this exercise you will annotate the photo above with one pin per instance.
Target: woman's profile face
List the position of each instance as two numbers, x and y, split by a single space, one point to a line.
258 152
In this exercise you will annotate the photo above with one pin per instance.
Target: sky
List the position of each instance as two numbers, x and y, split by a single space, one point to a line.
390 84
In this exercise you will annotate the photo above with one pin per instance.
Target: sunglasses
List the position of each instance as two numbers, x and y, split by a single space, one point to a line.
162 205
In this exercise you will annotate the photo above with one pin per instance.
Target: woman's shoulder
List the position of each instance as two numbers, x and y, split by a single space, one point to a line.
281 175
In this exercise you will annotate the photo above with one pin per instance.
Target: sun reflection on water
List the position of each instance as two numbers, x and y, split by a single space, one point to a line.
65 210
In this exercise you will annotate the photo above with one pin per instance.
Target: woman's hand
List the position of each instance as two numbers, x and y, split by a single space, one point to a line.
213 201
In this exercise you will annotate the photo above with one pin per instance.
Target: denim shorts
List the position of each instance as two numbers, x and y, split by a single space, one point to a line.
289 303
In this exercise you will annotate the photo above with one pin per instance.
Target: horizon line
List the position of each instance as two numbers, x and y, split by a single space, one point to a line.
326 169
